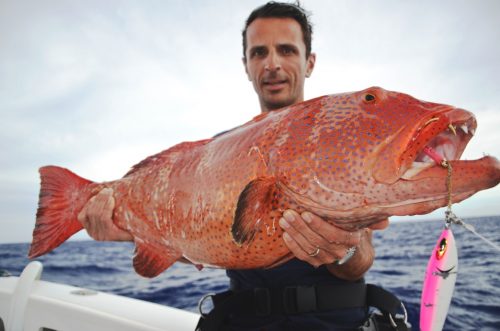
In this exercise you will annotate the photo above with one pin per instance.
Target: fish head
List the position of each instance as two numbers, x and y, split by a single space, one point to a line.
364 156
407 129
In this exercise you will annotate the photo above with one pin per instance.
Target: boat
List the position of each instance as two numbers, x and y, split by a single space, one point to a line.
28 303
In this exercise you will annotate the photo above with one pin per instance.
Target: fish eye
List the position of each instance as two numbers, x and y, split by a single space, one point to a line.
369 98
441 249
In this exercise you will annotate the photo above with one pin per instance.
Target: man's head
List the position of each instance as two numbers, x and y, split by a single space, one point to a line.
282 10
277 53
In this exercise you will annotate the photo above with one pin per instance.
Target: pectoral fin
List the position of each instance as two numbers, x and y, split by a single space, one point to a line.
255 205
150 260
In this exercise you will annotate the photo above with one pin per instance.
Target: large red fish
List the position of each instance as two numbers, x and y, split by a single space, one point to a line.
353 159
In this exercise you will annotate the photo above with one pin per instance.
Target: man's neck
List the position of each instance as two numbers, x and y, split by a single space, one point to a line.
267 108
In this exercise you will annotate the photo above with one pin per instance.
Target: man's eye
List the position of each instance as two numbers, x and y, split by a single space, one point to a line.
288 51
258 52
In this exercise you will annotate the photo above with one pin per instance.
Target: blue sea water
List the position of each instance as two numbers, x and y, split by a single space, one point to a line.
402 253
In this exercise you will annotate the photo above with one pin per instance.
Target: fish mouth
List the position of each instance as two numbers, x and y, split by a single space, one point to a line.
438 140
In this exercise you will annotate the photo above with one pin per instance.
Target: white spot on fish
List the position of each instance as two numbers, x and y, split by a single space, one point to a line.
157 221
128 218
323 186
271 229
257 150
183 234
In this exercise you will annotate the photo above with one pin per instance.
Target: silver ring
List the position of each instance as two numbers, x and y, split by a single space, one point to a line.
316 252
348 254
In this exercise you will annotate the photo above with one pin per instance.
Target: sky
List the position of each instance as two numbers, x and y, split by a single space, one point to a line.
96 86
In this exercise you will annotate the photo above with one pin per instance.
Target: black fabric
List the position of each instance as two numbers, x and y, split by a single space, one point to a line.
262 302
380 298
294 299
292 273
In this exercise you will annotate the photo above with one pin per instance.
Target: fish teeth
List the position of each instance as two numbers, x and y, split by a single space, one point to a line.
464 128
452 129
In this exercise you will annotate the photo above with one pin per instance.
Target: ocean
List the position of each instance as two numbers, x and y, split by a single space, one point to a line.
402 253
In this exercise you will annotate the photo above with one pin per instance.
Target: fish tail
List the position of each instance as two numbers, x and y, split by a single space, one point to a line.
62 196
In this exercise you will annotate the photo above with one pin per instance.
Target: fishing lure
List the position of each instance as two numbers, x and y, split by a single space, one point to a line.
442 268
439 282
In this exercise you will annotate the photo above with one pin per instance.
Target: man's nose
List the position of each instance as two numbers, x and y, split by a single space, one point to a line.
273 62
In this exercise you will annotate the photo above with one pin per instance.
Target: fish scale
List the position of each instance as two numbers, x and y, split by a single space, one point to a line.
217 202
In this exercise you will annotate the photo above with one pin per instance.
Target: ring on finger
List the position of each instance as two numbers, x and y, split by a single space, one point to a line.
316 252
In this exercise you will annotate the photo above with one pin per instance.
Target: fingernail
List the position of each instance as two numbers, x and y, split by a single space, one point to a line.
307 217
284 224
287 237
288 215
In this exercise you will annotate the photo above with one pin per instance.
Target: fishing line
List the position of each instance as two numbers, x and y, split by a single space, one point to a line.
450 217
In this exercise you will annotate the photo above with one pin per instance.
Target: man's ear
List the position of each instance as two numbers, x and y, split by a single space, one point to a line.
311 61
244 60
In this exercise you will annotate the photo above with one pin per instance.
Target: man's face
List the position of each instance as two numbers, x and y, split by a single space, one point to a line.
276 63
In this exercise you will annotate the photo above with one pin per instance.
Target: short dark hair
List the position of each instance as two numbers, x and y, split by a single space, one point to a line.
282 10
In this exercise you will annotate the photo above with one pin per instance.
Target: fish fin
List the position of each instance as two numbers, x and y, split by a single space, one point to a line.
255 201
280 261
150 260
162 157
58 207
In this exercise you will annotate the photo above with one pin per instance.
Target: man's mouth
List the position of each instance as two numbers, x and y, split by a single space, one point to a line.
274 84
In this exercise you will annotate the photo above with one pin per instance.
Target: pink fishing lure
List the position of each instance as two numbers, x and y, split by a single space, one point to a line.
439 282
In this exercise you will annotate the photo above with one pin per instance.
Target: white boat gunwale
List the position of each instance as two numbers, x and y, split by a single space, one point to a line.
30 304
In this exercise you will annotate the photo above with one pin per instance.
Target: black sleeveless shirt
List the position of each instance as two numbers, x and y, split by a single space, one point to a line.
293 273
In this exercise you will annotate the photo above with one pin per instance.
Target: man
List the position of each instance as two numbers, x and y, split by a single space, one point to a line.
277 59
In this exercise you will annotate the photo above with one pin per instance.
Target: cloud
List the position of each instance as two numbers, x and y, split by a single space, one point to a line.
97 86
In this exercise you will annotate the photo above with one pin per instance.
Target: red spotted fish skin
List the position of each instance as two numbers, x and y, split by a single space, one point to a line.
217 202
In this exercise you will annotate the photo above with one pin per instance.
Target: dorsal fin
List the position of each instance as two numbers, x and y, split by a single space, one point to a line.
166 154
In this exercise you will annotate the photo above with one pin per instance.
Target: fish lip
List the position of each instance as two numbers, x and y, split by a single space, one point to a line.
435 132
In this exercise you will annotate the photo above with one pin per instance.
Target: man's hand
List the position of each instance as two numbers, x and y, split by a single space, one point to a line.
96 218
306 233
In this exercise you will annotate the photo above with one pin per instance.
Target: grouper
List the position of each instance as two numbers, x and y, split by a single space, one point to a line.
353 159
